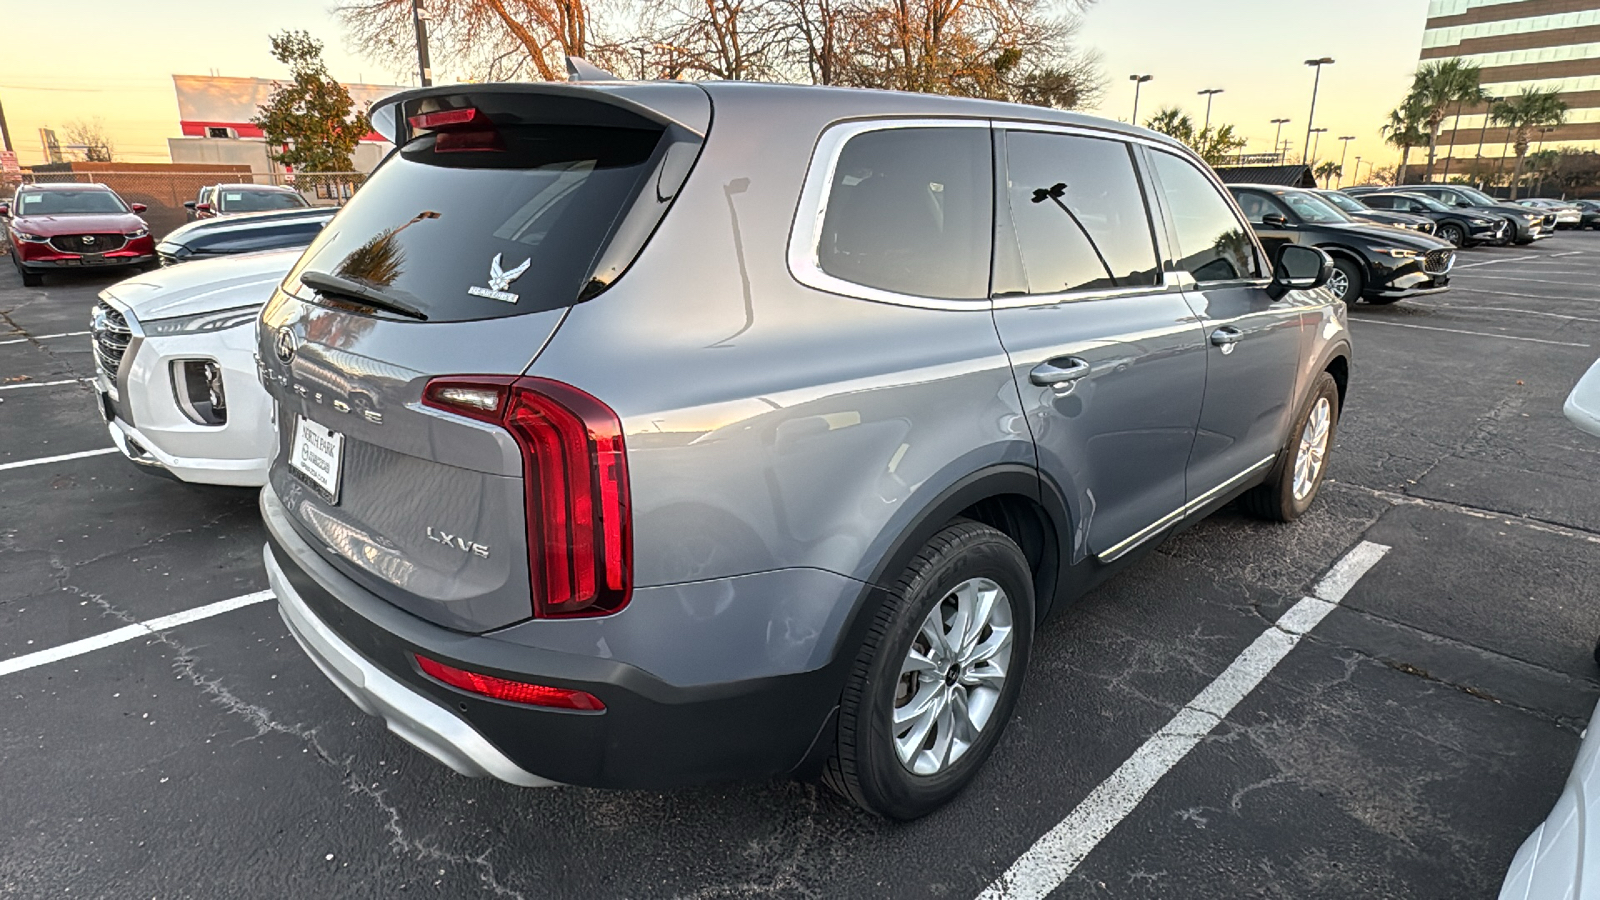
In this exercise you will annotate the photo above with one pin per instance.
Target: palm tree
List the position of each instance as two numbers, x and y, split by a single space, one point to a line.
1522 114
1405 129
1172 122
1435 87
1327 171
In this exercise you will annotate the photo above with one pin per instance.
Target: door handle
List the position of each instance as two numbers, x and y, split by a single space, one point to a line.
1048 374
1226 335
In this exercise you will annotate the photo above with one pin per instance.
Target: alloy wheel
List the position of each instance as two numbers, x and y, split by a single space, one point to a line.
952 676
1452 234
1313 450
1339 283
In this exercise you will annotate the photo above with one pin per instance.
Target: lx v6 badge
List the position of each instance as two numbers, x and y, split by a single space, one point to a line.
450 540
499 280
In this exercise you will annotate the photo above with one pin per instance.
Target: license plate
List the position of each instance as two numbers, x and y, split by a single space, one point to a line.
94 259
316 455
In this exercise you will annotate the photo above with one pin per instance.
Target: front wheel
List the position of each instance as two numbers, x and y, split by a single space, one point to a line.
937 676
1453 233
1303 462
1346 281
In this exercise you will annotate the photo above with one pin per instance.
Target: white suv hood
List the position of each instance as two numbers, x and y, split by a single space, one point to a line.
205 285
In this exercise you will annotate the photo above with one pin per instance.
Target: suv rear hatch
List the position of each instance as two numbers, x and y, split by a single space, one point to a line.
501 207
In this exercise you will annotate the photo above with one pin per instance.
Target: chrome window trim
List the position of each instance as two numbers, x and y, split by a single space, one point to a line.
1122 548
805 236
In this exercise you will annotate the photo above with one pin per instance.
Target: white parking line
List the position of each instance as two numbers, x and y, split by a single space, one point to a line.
1507 337
44 337
1054 857
147 628
1494 262
1467 307
23 464
29 384
1533 280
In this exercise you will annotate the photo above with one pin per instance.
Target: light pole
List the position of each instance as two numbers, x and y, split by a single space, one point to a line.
1277 140
1315 84
1477 165
1318 132
1346 139
419 18
1138 81
1208 93
1356 177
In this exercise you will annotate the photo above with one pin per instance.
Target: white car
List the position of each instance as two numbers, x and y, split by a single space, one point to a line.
1567 215
175 366
1561 859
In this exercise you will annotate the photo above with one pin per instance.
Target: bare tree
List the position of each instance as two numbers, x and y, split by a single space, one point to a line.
91 135
495 39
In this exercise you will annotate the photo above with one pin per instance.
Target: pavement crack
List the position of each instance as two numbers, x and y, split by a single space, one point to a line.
1483 512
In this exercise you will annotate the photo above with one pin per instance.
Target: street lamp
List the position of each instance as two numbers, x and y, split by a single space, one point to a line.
1277 139
1316 83
419 23
1208 93
1346 139
1138 81
1318 132
1355 177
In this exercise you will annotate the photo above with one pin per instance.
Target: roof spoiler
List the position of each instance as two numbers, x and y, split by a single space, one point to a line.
387 121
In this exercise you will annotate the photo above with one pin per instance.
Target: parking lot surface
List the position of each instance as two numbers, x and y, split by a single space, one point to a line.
1402 747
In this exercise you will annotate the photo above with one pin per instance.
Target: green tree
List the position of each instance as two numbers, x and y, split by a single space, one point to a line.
1214 144
1327 172
1434 89
309 122
1521 115
1405 129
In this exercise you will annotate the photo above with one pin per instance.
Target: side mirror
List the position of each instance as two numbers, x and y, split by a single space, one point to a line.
188 204
1275 220
1299 268
5 210
138 207
1462 204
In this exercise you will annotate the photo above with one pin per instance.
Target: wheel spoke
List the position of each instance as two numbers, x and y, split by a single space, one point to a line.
943 732
917 662
910 745
926 698
987 676
999 639
933 632
983 609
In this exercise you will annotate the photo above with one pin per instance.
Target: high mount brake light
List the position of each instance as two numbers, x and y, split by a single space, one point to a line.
506 689
444 118
575 475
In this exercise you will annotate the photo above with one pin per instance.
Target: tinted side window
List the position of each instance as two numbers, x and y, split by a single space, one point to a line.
1379 202
910 210
1079 215
1255 205
1212 242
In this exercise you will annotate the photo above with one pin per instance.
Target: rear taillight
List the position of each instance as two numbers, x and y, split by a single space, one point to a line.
459 130
508 690
575 470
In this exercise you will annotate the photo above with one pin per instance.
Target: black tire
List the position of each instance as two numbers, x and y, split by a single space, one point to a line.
29 279
1597 654
1453 233
864 766
1274 500
1354 279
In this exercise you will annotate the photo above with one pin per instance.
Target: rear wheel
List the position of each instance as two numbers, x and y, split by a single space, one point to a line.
1346 282
1453 233
1303 461
938 675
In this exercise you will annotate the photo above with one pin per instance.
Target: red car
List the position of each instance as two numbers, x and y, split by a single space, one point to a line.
57 227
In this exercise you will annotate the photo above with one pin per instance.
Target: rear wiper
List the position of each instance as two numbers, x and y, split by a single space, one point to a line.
324 283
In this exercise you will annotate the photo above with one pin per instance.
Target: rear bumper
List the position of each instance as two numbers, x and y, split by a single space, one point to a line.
652 733
1556 860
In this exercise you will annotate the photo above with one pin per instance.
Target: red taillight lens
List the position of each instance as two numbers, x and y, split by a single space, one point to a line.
459 130
575 468
513 691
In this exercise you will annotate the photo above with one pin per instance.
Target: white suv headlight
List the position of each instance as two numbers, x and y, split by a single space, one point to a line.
202 322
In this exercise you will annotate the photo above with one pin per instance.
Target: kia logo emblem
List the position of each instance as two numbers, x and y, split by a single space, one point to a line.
284 345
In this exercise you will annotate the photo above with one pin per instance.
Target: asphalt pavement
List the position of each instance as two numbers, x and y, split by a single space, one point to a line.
1195 728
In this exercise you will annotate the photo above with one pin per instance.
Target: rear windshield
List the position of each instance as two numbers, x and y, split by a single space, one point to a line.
67 203
511 228
260 201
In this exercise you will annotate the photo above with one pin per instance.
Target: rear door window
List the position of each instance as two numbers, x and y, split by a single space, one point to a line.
1078 213
1213 245
499 223
910 210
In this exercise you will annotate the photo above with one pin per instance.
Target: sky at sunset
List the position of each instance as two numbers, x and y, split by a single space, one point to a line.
118 64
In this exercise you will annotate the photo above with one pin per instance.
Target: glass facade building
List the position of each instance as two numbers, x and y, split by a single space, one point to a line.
1517 44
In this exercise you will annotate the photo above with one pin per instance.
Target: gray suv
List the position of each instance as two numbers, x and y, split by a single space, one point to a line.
639 435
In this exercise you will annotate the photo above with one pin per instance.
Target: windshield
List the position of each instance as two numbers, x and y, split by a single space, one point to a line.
259 201
1344 201
1477 197
1427 202
1312 208
68 203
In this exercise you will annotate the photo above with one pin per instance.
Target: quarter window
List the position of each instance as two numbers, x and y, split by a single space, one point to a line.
1213 245
1078 213
910 211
